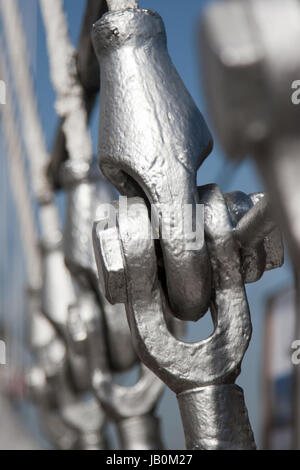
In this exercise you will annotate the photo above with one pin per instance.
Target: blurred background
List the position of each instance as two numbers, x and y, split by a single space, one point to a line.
264 383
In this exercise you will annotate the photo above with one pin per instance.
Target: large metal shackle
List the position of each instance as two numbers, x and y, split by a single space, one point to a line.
152 140
180 365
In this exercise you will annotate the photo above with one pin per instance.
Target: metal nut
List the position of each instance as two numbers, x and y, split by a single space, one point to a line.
110 263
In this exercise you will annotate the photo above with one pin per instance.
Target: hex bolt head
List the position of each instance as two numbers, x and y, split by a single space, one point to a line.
110 264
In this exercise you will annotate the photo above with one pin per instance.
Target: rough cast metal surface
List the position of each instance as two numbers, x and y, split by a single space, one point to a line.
216 418
140 433
88 196
117 5
182 366
152 140
273 243
256 232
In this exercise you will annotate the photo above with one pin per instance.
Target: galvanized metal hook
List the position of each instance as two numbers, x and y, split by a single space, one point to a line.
152 140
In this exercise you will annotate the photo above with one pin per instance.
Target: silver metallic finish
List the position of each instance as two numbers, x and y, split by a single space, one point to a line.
216 418
152 140
248 72
125 402
67 375
187 367
131 408
86 417
257 223
48 352
110 264
59 435
84 325
181 365
87 194
140 433
253 258
243 72
88 198
70 102
273 243
253 87
120 350
118 5
89 78
256 232
58 290
79 421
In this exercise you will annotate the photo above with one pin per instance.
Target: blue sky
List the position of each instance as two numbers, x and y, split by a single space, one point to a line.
181 20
